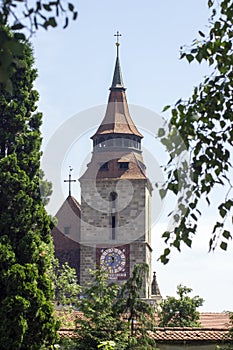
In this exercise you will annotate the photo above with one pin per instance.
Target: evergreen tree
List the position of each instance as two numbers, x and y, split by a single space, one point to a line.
139 313
26 309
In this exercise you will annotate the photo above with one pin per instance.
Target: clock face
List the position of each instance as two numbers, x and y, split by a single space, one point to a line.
113 260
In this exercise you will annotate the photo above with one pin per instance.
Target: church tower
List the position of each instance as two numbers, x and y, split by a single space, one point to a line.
115 230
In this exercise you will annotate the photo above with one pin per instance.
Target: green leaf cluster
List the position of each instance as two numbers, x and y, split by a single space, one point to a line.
23 18
113 316
181 311
67 289
100 322
205 124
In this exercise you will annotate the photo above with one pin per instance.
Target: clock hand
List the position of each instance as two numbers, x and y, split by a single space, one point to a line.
112 260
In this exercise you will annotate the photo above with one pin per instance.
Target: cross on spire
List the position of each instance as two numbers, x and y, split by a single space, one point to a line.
70 180
118 36
117 42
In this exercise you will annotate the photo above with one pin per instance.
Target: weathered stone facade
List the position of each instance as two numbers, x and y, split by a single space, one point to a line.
132 222
130 209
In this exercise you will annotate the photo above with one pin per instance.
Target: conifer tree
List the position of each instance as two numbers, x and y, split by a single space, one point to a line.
26 292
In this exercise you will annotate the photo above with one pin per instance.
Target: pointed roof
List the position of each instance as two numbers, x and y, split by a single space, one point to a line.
154 286
69 214
117 81
117 118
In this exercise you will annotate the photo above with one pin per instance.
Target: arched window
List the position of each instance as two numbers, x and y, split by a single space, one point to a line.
112 199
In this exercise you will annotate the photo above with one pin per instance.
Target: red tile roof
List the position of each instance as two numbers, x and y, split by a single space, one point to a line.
214 320
186 335
214 328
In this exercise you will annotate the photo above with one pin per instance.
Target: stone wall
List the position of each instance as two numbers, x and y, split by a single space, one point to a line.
132 216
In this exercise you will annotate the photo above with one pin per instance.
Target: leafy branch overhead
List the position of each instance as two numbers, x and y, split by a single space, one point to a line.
205 124
19 14
24 18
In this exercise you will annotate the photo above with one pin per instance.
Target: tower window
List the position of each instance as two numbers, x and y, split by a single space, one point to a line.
104 167
123 165
112 196
113 227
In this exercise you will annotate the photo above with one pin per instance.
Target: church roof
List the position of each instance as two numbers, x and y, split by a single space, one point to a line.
68 215
73 204
117 118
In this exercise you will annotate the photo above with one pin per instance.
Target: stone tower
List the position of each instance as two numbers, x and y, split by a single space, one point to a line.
116 194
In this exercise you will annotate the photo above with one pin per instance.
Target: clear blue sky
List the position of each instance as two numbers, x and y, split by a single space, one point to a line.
75 71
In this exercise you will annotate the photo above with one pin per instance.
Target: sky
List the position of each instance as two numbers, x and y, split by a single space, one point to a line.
75 69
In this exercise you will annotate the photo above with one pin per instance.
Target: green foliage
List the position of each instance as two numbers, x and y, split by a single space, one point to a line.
181 311
105 309
37 14
26 309
107 345
204 122
67 344
45 188
65 280
139 313
24 18
100 323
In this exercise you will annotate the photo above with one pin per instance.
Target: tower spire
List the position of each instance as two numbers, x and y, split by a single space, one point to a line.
117 82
